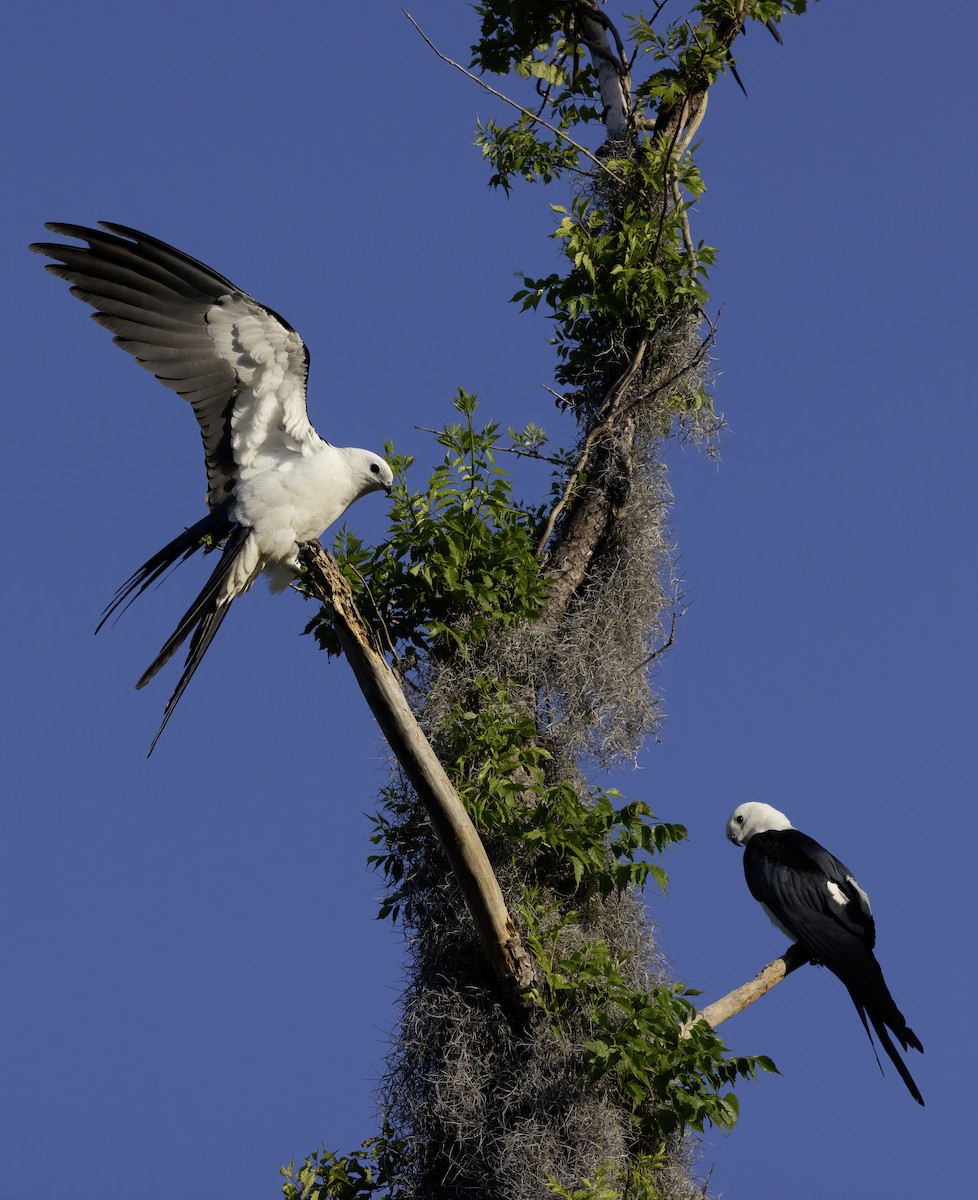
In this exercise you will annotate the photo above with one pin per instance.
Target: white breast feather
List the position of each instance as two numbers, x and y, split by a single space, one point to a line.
776 923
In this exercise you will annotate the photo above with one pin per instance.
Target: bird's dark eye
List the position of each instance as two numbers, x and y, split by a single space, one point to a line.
739 820
375 468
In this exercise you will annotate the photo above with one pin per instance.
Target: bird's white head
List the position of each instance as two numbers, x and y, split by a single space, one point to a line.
748 819
373 473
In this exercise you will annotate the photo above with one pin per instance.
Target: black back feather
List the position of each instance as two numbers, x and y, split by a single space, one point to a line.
788 872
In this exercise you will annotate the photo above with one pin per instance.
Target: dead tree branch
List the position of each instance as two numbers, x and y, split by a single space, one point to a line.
743 997
611 69
497 931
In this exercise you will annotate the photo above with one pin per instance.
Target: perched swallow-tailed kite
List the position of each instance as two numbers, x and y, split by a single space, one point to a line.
272 482
814 899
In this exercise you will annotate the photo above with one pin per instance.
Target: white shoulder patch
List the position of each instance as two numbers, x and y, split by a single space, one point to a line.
863 898
838 896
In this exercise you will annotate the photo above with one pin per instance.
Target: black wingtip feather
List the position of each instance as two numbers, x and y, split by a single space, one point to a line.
212 529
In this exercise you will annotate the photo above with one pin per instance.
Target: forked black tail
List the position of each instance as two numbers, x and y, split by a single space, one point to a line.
905 1035
209 531
201 620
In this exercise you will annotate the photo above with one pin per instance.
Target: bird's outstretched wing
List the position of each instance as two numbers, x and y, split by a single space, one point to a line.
239 364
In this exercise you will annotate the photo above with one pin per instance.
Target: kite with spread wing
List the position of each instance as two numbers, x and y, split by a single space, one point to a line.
272 481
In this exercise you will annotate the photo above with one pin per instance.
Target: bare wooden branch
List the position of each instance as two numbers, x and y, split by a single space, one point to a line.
692 124
677 195
743 997
612 70
511 962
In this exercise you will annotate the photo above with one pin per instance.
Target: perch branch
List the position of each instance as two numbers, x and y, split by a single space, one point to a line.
743 997
500 938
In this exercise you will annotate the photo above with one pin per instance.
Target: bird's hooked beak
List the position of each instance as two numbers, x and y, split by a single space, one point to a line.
735 830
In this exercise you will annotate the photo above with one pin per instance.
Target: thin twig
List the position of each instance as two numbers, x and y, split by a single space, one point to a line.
677 195
699 112
520 452
666 175
658 8
696 37
670 641
680 144
519 107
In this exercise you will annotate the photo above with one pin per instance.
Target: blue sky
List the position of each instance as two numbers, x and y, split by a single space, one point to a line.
196 987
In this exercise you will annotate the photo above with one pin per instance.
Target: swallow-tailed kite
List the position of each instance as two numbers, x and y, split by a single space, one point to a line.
272 482
814 899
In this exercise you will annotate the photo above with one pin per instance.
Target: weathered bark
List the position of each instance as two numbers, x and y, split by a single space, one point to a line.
590 521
